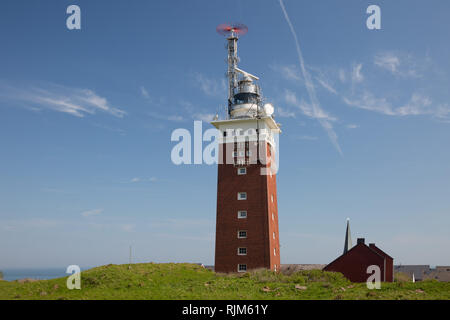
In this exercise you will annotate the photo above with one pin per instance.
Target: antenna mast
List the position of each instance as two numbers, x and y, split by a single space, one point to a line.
232 31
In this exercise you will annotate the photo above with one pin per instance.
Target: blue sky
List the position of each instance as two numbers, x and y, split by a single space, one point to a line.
86 118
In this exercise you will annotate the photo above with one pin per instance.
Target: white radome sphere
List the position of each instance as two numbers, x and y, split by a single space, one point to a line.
268 109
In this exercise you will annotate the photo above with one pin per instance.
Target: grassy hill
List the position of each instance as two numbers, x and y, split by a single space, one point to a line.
190 281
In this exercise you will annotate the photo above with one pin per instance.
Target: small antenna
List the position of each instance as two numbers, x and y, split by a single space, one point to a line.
130 254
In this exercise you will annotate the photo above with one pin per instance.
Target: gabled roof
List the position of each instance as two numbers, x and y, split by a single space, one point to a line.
373 246
354 248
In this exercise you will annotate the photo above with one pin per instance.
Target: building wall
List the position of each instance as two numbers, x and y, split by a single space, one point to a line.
353 265
274 238
259 223
389 271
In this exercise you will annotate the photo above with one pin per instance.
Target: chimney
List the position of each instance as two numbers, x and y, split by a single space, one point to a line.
360 241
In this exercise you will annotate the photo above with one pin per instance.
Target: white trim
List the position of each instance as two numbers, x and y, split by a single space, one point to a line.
241 264
244 216
242 254
239 236
242 193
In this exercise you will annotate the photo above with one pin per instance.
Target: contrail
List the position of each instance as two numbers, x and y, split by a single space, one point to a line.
310 86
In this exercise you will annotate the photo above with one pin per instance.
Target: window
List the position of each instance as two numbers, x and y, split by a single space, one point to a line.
272 197
234 154
242 195
249 153
242 234
241 153
242 214
242 171
274 235
242 251
242 267
273 217
274 251
275 268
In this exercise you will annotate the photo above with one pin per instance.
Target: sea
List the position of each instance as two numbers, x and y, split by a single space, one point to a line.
35 273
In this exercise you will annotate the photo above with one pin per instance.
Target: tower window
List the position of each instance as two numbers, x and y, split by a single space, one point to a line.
242 195
274 251
242 214
242 267
274 235
273 217
242 234
242 171
272 197
242 251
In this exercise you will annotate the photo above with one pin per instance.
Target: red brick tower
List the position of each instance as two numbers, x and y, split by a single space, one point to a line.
247 214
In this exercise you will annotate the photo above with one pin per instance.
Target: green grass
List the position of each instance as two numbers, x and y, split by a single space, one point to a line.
189 281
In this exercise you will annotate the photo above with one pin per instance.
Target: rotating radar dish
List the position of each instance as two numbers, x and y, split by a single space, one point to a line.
227 29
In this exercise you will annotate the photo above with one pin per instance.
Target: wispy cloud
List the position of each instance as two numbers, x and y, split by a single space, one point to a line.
209 86
288 72
400 65
417 105
139 179
185 111
324 83
352 126
317 110
73 101
305 137
283 113
368 101
342 75
206 117
306 108
144 92
387 61
93 212
357 75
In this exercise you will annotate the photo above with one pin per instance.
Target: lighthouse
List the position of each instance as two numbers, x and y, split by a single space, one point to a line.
247 234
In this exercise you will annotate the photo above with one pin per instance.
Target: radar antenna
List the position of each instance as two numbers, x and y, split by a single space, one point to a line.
232 32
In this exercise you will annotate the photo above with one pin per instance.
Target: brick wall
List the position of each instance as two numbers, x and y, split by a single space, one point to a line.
259 224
